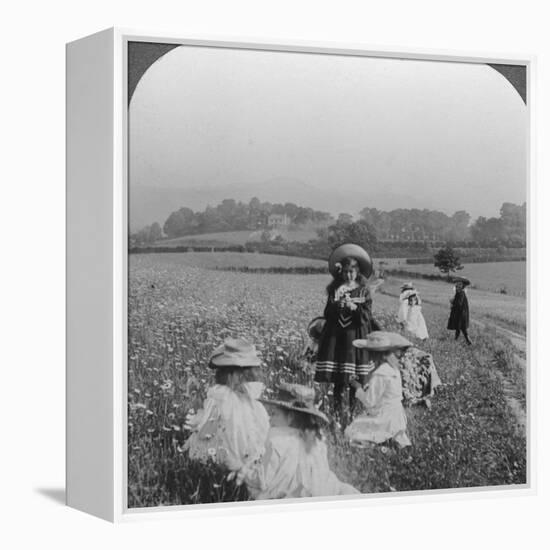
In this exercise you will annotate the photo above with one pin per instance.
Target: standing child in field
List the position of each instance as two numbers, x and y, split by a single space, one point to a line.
348 317
459 318
414 321
385 416
403 303
232 427
295 462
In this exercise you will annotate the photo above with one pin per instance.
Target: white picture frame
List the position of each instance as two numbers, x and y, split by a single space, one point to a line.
97 272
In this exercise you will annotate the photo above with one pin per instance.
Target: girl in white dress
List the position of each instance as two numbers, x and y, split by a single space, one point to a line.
385 416
295 462
406 288
414 321
232 427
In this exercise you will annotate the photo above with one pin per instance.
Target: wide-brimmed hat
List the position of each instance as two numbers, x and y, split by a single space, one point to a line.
296 397
382 341
462 280
235 352
350 251
315 327
409 293
407 286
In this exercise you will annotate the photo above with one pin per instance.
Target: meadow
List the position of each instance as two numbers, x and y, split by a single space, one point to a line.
234 237
500 277
181 307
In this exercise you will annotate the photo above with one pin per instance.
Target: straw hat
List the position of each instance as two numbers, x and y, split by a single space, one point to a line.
408 293
353 251
296 397
382 341
462 280
235 352
407 286
315 327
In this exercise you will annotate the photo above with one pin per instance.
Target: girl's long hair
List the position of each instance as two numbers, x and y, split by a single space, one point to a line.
224 377
377 357
338 280
309 427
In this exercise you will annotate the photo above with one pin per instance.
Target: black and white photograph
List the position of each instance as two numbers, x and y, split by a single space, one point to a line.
327 274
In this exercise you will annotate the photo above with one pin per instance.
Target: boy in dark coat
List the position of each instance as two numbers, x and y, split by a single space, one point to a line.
459 318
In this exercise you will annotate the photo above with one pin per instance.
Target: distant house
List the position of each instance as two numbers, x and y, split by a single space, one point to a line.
278 221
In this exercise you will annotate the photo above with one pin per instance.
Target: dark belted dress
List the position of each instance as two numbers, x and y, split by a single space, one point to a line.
337 359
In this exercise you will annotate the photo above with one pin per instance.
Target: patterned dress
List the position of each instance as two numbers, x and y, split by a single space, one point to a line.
337 358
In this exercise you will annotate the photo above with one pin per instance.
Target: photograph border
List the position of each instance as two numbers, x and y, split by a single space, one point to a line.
121 272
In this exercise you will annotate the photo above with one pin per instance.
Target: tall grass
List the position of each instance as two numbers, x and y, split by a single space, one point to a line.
178 314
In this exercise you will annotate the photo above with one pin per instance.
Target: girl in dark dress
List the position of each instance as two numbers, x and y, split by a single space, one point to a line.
459 318
348 317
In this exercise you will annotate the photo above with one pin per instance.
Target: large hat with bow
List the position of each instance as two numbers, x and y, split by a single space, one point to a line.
350 251
296 397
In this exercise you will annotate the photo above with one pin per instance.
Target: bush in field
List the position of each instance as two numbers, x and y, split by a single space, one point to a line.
447 261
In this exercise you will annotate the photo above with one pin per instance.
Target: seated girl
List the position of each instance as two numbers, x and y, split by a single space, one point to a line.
232 427
295 462
385 417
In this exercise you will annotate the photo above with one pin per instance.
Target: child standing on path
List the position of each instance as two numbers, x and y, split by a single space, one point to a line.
385 416
295 462
348 317
459 318
232 427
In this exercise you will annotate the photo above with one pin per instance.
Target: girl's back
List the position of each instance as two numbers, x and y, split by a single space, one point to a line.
294 467
231 428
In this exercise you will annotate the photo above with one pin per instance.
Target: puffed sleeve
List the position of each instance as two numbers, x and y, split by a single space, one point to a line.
372 396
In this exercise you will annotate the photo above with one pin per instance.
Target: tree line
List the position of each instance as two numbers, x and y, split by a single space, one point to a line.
372 226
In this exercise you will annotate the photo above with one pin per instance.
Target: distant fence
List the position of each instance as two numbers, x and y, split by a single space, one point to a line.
162 249
470 260
296 270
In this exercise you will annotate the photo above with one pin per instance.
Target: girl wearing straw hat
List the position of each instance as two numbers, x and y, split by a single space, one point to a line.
348 315
385 416
295 462
414 320
232 426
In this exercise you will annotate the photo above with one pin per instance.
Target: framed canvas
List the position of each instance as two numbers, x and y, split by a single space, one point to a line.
296 273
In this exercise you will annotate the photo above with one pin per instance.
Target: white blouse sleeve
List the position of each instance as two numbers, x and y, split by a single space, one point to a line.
372 396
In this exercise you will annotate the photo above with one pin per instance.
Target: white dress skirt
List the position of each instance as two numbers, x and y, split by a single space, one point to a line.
415 322
385 416
403 307
290 468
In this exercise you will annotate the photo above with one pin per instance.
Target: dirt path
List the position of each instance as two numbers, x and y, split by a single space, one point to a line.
519 342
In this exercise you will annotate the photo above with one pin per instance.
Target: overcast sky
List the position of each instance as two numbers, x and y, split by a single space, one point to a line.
394 133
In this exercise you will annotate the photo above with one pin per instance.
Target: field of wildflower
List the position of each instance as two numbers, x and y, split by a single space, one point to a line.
178 312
